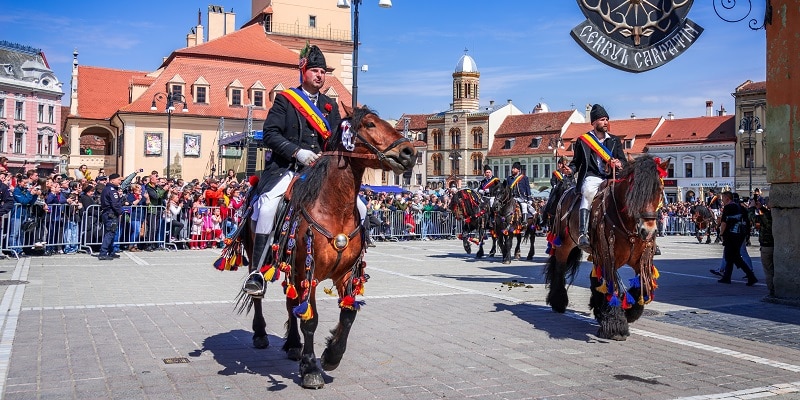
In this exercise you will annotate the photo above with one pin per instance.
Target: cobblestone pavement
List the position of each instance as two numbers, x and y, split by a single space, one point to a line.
437 324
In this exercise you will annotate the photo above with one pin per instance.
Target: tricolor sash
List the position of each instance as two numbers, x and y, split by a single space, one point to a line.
596 146
558 175
516 181
308 110
490 183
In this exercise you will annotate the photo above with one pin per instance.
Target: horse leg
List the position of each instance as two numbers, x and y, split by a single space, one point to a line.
479 254
465 242
612 319
516 249
310 371
337 344
632 314
260 339
532 239
556 277
293 345
506 241
493 250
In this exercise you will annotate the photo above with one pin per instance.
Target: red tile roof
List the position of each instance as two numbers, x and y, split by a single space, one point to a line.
640 130
532 123
103 91
522 144
750 86
418 122
249 44
695 130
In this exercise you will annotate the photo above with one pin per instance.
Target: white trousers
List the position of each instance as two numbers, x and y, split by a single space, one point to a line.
267 205
589 190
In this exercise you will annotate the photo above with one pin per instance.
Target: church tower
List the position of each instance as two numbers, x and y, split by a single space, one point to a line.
465 84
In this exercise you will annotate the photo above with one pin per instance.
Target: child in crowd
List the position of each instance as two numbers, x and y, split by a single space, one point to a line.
196 230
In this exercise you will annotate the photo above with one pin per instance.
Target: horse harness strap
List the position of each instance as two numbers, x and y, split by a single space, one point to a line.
337 239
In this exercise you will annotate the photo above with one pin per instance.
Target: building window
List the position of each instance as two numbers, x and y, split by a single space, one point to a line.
419 158
2 108
455 138
726 169
18 111
419 179
18 142
509 143
2 140
312 21
40 114
177 91
258 98
748 158
688 169
200 95
437 164
709 170
628 143
546 171
437 139
535 170
477 164
454 166
51 114
41 146
236 97
535 142
477 138
671 171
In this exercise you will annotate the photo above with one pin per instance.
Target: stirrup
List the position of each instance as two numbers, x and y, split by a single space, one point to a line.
583 243
254 285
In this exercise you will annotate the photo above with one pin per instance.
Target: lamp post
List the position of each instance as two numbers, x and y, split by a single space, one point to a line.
169 100
747 124
356 3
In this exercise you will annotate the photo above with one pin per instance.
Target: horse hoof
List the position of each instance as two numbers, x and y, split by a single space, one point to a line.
313 380
329 367
506 261
294 354
528 258
261 342
491 254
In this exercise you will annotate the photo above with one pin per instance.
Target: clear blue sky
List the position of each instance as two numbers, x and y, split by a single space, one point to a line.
522 48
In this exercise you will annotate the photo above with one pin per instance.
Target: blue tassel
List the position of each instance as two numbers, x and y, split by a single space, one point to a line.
303 311
614 302
610 286
633 282
557 241
630 298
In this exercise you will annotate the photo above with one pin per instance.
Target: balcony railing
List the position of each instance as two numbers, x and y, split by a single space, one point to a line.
308 32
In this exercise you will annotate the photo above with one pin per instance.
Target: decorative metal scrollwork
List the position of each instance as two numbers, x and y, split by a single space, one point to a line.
734 11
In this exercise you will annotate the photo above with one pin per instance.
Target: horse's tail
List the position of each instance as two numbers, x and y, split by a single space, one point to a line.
558 275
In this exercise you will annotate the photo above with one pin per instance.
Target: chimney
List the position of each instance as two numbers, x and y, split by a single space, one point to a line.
491 103
633 116
722 112
670 115
509 101
220 22
709 108
588 115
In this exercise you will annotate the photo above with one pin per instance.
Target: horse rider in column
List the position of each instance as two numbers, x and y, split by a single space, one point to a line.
485 186
296 129
562 171
520 190
597 154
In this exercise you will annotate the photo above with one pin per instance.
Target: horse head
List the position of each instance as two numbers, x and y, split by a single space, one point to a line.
643 186
374 140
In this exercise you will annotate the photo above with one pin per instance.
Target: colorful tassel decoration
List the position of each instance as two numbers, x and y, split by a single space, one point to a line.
629 299
291 292
304 311
220 264
655 272
634 282
602 288
614 301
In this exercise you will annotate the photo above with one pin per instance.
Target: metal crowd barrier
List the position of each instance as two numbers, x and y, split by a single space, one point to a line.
683 226
46 227
398 225
138 226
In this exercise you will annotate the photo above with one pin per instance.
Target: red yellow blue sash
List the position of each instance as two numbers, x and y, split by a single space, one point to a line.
596 146
558 175
490 183
516 180
308 110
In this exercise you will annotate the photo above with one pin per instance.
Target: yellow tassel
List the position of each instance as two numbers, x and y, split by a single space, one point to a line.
269 274
328 291
308 314
655 272
602 288
360 291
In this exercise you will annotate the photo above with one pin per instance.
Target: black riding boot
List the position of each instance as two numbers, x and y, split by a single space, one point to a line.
254 285
583 228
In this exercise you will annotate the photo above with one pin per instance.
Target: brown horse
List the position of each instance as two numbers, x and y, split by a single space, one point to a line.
704 223
622 231
473 211
508 223
319 236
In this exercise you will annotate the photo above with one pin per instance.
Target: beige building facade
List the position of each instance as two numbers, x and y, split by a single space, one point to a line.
751 111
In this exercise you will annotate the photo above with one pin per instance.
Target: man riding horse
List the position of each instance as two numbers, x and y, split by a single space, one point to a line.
520 189
487 184
296 129
562 171
597 153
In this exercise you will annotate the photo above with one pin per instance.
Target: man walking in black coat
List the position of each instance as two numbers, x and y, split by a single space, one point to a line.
110 211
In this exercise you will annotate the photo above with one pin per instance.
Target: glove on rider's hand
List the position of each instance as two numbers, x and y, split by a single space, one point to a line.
306 157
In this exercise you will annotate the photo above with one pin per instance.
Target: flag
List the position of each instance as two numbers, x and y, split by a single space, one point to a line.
60 140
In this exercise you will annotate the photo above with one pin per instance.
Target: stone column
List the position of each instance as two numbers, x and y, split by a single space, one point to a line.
782 129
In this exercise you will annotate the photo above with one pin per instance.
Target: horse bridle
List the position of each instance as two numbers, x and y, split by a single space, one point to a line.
377 154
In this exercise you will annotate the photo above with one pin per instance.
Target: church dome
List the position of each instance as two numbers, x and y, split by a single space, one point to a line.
466 64
541 107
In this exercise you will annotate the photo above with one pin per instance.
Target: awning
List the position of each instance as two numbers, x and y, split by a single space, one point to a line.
386 189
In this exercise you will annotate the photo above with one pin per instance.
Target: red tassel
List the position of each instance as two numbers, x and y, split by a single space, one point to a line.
291 292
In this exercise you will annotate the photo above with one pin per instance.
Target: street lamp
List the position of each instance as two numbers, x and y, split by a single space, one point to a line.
169 100
746 125
356 3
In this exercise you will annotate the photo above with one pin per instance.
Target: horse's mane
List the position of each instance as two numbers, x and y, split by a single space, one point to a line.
468 198
646 186
313 177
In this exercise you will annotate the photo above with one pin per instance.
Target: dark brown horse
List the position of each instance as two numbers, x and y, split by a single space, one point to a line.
508 222
474 213
319 236
704 223
622 231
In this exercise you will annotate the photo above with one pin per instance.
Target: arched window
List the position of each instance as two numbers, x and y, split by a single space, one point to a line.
436 135
477 163
477 138
455 138
436 161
